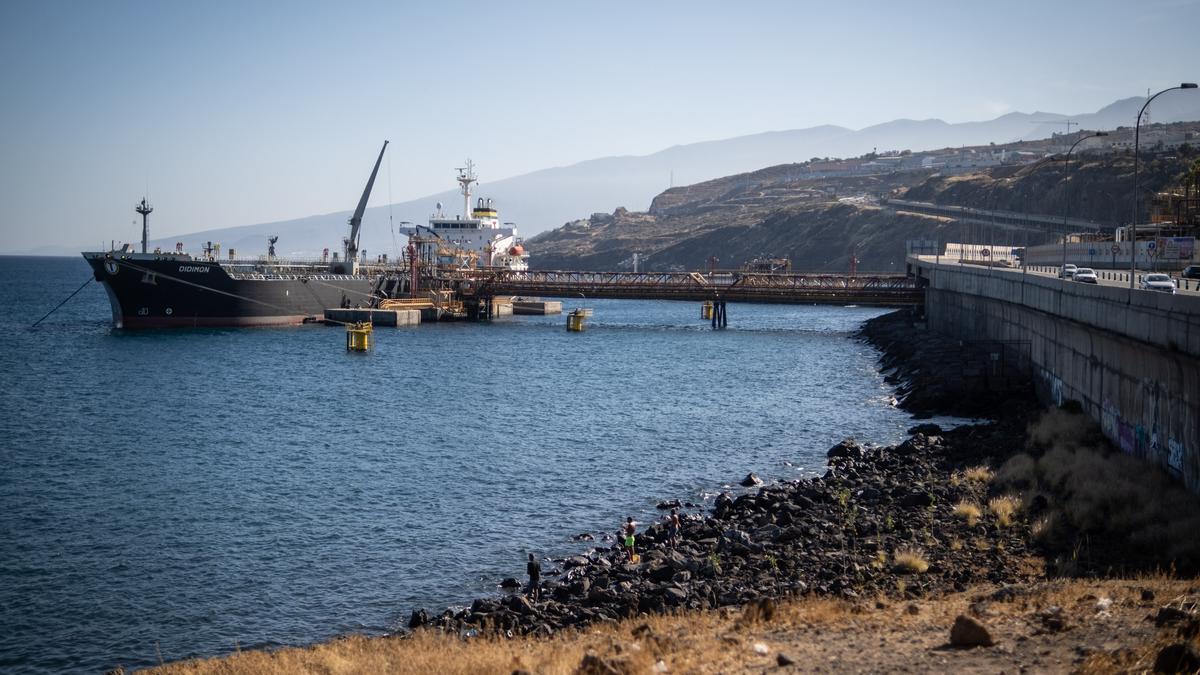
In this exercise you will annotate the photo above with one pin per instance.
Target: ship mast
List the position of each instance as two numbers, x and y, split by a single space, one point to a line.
144 208
356 219
466 176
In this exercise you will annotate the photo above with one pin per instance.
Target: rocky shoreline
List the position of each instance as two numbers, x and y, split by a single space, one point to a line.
936 374
881 522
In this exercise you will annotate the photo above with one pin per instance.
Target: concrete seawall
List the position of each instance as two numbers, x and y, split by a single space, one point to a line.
1131 358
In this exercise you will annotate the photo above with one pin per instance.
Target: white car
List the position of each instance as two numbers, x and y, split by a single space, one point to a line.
1158 282
1085 275
1067 271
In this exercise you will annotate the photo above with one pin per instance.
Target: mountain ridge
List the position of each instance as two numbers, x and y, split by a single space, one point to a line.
544 199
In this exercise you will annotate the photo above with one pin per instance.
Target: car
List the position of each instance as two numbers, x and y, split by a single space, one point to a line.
1067 271
1190 272
1085 275
1158 282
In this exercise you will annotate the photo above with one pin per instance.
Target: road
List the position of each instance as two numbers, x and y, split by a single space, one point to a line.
1113 278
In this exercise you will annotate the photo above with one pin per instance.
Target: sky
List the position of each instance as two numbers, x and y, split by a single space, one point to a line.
232 113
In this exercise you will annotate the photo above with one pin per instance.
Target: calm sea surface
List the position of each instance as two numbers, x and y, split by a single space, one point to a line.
188 491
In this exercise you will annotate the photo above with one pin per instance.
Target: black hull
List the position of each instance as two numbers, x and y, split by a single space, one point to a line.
148 291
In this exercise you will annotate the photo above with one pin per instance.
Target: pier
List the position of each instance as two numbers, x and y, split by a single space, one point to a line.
883 290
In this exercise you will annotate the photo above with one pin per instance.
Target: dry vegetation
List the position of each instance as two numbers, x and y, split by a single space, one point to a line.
1097 510
968 511
910 560
978 474
1106 632
1004 508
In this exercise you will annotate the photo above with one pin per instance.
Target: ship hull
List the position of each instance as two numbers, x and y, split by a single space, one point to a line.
149 291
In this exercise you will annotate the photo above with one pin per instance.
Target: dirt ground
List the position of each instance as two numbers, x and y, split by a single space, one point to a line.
1052 627
1105 626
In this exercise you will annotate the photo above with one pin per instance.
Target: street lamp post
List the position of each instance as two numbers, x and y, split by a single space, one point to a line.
1137 129
1067 196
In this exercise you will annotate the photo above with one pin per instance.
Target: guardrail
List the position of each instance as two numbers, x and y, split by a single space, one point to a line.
885 290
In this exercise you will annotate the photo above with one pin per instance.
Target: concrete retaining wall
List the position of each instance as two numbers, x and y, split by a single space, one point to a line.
1102 255
1131 358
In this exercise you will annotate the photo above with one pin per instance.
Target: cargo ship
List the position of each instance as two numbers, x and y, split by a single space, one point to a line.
467 242
156 289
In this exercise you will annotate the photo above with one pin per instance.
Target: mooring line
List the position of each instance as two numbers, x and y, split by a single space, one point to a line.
35 323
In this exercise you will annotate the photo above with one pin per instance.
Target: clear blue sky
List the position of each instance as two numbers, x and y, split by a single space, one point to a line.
245 112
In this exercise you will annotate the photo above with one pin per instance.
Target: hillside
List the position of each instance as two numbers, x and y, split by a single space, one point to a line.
542 200
819 222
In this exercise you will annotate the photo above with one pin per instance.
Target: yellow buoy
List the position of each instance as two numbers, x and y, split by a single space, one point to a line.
575 319
706 310
358 336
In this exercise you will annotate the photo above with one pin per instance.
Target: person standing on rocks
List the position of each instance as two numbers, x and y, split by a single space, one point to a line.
534 569
629 530
673 528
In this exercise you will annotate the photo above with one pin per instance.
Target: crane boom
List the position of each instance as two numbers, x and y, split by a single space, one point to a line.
356 219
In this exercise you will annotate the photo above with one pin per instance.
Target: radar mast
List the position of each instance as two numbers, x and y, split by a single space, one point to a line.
144 208
466 176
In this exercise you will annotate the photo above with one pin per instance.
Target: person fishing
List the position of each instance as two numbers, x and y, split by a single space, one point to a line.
673 526
534 569
629 530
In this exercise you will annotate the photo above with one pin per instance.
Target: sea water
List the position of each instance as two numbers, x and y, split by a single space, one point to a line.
189 492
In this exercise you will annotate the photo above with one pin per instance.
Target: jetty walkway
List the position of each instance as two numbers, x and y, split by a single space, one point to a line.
885 290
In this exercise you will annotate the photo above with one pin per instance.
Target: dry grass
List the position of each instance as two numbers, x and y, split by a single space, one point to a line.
909 560
1145 518
978 474
686 642
968 511
867 636
1042 527
1004 508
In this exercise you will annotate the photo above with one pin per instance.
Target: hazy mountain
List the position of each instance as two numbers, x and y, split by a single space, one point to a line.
545 199
820 223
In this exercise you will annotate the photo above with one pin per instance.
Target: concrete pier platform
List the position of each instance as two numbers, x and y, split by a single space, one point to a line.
536 307
378 317
502 307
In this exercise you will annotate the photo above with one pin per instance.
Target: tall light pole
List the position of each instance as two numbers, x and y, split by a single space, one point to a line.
1067 196
1137 129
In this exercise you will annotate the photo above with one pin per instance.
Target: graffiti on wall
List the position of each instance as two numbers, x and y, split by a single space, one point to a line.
1108 419
1175 455
1054 385
1126 438
1132 437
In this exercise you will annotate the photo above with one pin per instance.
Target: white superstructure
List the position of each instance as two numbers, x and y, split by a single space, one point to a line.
476 241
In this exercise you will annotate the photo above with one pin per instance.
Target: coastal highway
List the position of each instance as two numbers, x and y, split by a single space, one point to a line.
1113 278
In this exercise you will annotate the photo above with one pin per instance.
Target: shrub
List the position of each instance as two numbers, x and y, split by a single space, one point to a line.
1004 508
978 474
968 511
1020 471
909 560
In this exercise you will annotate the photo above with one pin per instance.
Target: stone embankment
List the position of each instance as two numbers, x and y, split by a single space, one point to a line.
935 374
902 521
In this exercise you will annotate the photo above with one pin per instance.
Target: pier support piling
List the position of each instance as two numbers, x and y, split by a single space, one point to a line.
718 314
